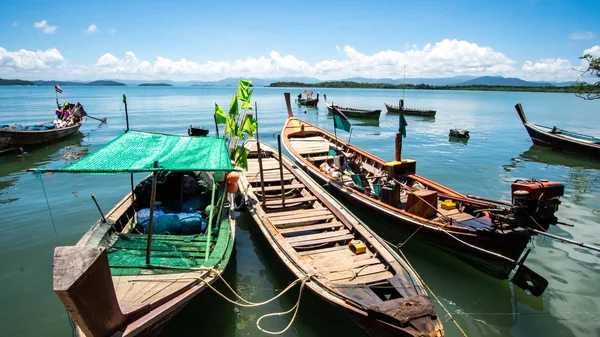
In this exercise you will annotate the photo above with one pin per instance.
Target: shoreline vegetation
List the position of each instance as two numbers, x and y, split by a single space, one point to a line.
475 87
101 83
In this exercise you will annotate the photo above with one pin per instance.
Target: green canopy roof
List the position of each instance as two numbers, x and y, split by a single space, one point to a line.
136 151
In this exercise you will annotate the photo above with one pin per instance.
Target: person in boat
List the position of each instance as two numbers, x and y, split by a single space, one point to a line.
66 112
59 113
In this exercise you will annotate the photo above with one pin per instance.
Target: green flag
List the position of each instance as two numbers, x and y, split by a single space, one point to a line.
220 115
233 107
249 125
243 87
246 103
340 121
402 120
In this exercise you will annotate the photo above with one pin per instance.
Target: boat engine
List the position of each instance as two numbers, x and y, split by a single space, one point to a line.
536 201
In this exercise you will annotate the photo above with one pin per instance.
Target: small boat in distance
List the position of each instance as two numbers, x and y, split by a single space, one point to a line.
309 101
13 136
558 139
353 112
339 257
410 111
160 246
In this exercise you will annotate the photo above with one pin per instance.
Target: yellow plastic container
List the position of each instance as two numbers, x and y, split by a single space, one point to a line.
448 204
357 246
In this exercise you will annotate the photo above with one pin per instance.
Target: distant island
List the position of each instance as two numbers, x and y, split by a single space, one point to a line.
474 87
15 82
101 83
155 85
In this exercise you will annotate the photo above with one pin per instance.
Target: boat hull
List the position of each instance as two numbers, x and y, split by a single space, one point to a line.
11 138
546 139
357 113
410 111
494 266
308 102
303 260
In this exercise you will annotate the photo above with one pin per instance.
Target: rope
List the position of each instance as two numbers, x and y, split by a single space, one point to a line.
448 314
248 304
39 176
294 308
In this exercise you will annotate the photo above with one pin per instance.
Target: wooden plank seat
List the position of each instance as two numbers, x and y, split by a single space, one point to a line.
307 228
286 222
290 201
269 178
277 188
321 238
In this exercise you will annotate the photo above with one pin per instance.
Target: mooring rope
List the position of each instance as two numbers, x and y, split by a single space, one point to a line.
249 304
448 314
39 177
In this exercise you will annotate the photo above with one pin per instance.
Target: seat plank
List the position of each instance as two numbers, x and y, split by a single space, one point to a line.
299 244
317 236
295 222
298 213
350 265
317 252
290 201
307 228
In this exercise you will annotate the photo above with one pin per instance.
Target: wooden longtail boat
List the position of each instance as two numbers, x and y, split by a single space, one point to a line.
352 112
140 264
311 232
10 137
410 111
308 102
487 235
558 139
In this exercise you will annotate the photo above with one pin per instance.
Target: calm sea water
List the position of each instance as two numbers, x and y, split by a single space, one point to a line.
498 152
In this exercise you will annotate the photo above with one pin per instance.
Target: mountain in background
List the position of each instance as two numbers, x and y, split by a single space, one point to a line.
263 82
503 81
417 80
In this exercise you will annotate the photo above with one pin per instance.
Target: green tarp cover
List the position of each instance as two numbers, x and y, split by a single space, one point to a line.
136 151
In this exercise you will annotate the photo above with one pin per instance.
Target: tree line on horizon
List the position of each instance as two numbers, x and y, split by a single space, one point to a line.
579 88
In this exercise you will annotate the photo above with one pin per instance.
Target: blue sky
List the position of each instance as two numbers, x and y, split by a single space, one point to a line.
209 40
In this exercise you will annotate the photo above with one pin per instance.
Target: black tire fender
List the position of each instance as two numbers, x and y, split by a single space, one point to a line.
239 203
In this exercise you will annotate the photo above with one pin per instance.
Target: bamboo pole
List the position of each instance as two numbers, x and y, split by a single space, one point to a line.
262 176
152 199
281 171
210 218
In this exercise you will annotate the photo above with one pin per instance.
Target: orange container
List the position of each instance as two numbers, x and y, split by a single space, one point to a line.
232 187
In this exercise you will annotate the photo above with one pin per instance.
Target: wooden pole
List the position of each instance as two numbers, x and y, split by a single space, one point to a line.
98 206
216 124
126 114
210 218
281 171
399 134
152 199
262 177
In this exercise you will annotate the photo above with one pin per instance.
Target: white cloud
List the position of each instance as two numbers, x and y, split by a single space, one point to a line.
15 24
45 27
595 50
111 31
442 59
581 36
25 60
92 29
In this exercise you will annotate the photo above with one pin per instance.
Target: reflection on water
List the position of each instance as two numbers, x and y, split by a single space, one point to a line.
13 167
548 156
